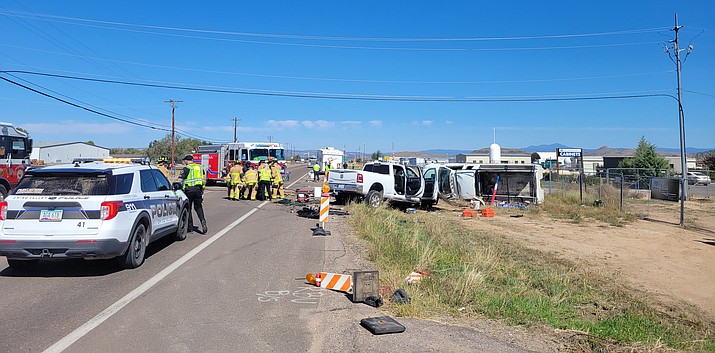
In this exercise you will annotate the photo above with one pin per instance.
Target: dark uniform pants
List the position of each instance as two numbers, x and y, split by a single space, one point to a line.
195 195
264 188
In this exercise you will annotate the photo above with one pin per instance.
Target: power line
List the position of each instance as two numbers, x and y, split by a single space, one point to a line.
337 96
95 111
332 79
329 46
336 38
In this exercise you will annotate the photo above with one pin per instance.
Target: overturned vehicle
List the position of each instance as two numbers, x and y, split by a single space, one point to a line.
514 183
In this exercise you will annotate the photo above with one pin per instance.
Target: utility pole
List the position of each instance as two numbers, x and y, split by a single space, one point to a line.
683 162
173 107
270 138
235 122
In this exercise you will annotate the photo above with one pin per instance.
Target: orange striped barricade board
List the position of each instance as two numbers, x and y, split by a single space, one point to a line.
336 281
324 207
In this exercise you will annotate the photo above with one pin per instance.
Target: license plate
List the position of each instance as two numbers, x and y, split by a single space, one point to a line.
338 187
50 215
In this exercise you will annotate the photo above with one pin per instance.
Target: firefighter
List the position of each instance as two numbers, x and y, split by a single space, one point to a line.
192 179
277 180
264 182
251 179
236 182
162 165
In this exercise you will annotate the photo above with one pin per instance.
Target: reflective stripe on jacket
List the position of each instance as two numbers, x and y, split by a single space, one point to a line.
264 174
251 177
195 177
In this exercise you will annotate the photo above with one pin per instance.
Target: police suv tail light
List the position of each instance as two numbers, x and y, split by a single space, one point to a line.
109 209
3 210
359 178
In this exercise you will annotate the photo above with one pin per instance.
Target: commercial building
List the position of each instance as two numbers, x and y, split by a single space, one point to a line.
483 158
65 152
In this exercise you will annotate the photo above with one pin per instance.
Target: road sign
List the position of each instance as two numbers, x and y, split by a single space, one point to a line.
570 152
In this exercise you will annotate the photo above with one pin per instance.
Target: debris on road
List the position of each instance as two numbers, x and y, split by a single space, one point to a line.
400 297
382 325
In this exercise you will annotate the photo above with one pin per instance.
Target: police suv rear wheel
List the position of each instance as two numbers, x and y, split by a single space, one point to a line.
134 257
183 226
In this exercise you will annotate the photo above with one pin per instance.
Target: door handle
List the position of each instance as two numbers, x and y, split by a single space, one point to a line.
146 197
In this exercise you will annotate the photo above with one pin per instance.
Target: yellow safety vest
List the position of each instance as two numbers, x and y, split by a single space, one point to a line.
264 174
316 167
251 177
195 177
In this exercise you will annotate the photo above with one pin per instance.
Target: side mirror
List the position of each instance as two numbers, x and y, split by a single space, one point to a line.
176 186
28 147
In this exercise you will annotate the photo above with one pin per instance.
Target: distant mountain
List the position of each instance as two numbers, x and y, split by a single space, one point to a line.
445 152
544 148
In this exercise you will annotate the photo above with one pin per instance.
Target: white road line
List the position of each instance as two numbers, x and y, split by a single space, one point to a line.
78 333
88 326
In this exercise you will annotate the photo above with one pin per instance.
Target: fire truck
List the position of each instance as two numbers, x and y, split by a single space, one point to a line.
215 159
15 149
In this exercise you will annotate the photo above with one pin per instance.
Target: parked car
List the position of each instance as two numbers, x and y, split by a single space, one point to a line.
380 181
93 210
698 178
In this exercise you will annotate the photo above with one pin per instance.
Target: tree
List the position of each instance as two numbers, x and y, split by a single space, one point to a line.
648 162
709 160
23 131
182 146
90 142
376 155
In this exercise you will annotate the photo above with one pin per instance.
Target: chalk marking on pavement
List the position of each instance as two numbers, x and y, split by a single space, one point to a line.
88 326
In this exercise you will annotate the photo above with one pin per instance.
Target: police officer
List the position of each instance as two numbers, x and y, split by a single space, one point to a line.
192 179
251 179
316 171
236 182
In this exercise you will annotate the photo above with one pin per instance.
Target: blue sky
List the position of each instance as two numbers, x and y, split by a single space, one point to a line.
412 72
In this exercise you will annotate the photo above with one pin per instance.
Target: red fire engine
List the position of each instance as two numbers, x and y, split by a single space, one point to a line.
15 149
215 159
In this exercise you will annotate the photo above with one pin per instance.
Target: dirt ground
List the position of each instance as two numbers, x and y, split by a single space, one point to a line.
657 257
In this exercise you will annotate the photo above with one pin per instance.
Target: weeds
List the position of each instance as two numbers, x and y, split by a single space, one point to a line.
473 273
567 205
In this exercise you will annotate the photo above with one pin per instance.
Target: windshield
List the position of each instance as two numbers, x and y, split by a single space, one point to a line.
63 184
278 154
258 154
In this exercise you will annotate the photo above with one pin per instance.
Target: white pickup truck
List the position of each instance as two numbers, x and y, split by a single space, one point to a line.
380 181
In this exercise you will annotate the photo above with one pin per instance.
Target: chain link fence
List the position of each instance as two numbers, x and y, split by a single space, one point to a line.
632 190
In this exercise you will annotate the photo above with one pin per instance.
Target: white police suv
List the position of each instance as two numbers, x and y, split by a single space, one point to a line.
94 210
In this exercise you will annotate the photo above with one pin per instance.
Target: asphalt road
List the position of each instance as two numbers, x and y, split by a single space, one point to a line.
239 288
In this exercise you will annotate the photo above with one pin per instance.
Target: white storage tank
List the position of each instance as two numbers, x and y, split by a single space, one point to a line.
494 154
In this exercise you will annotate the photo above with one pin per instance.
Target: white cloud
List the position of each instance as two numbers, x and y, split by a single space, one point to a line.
449 122
376 123
320 124
427 122
282 124
351 123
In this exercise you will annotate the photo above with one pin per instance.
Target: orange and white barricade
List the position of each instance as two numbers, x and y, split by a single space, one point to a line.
415 277
336 281
324 207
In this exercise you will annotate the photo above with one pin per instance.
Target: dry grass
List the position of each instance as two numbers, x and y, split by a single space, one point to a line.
473 274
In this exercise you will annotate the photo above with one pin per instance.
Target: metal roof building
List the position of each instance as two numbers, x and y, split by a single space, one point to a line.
65 152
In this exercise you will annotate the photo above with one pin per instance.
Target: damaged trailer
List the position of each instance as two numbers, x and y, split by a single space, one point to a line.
517 182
